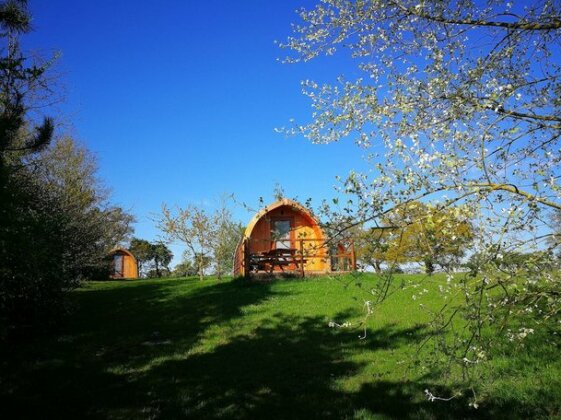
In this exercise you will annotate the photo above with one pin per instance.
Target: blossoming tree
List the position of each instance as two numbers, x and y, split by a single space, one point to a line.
458 103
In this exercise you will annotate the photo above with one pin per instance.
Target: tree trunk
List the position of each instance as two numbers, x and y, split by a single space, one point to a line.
157 264
201 268
429 266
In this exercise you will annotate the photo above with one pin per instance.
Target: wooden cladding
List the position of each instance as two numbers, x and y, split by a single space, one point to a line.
285 237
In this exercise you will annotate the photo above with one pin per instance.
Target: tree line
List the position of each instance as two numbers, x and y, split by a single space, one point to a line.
210 238
152 258
419 233
56 219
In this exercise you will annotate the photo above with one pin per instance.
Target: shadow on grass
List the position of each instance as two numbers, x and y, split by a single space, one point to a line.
132 352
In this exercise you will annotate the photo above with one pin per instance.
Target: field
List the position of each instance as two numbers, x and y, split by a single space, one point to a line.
227 348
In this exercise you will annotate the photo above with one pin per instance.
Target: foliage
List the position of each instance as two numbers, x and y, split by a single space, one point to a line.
185 268
555 240
152 258
162 258
142 251
227 236
90 225
56 224
416 232
211 238
459 103
372 245
193 227
19 79
62 231
158 274
204 261
513 261
428 234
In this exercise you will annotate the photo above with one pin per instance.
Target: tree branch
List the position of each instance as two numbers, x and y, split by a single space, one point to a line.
515 190
521 25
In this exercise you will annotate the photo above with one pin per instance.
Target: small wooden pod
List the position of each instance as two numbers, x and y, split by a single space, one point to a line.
282 237
123 264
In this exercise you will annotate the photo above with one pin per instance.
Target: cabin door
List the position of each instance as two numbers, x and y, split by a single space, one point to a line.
281 233
118 264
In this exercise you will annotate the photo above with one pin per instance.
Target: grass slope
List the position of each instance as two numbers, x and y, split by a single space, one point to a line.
183 348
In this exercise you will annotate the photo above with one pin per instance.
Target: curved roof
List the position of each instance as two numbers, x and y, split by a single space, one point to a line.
282 202
123 250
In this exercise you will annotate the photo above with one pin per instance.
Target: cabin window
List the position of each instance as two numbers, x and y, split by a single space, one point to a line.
281 234
118 265
340 258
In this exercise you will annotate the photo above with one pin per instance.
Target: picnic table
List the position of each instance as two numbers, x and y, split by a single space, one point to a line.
281 257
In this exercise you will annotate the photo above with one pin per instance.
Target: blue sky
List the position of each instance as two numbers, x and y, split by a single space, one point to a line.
179 101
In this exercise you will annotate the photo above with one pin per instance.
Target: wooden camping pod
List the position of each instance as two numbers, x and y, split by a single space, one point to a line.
123 264
283 237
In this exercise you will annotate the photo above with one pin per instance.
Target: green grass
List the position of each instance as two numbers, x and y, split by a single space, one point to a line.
183 348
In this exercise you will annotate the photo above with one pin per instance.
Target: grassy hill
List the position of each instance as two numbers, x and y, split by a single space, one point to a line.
184 348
